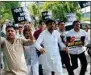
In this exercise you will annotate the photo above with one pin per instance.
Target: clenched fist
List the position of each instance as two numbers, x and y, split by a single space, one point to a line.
65 49
42 50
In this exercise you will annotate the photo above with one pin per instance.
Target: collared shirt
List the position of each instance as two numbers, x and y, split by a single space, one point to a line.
77 36
14 53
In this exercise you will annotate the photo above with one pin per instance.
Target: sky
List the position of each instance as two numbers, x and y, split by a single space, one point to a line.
26 3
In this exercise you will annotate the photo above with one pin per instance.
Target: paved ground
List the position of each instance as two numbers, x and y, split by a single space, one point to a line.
77 71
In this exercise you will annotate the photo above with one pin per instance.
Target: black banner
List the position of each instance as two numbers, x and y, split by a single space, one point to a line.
19 14
84 4
45 15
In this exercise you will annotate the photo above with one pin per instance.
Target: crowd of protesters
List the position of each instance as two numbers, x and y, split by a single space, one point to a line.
43 50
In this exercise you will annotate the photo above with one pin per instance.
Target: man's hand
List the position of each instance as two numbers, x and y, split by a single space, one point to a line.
65 49
82 43
42 50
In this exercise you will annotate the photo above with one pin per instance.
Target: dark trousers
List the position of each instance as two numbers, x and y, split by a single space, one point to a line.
82 58
40 70
66 60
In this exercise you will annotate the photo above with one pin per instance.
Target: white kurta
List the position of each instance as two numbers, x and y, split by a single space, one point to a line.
51 60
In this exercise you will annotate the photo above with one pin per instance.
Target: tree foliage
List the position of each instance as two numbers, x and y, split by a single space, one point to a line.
59 9
5 9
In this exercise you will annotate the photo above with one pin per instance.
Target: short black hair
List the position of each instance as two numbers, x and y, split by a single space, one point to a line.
49 21
75 22
40 22
60 22
10 27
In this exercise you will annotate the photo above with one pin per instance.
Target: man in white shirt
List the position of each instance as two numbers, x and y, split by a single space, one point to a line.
64 55
76 39
50 38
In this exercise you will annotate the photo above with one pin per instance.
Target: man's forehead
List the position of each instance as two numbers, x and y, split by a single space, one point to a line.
62 23
43 23
51 22
77 22
11 28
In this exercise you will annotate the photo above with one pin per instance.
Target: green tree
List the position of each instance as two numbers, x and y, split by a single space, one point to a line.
5 10
59 9
34 10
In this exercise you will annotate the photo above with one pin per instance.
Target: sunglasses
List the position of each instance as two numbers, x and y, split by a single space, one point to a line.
20 27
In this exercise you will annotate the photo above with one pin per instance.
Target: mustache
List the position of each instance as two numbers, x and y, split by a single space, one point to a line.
10 35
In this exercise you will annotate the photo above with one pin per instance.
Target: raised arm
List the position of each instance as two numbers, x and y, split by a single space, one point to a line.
29 37
2 41
30 40
27 42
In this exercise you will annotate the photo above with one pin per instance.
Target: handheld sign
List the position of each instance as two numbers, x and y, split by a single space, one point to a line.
46 15
72 42
84 4
71 17
19 14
